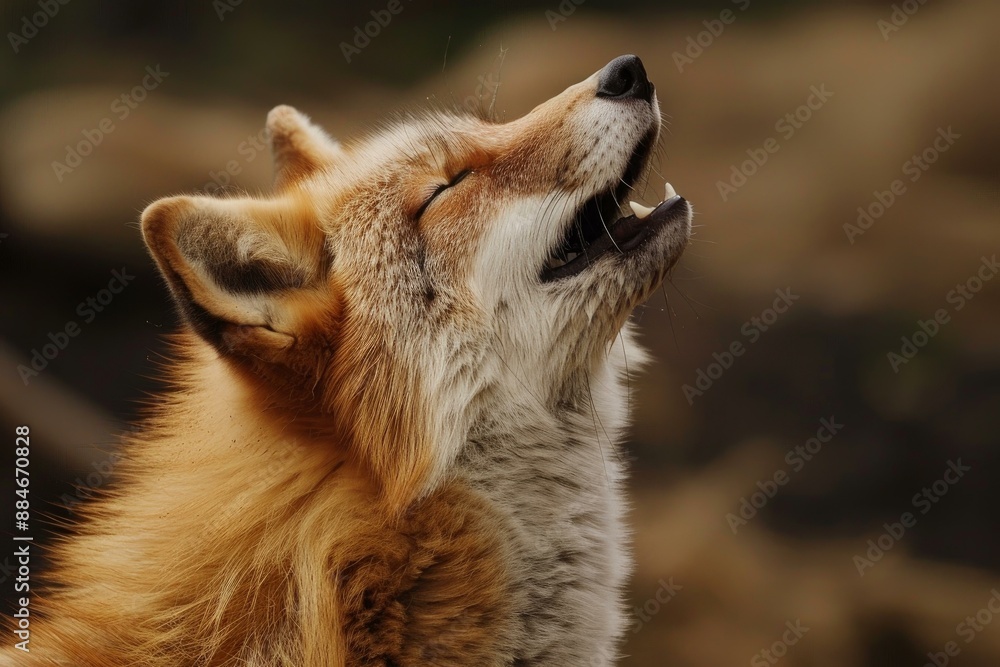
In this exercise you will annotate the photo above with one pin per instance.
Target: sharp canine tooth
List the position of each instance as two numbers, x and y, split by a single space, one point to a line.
670 192
640 210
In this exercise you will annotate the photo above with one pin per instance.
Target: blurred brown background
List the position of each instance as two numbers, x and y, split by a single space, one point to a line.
785 118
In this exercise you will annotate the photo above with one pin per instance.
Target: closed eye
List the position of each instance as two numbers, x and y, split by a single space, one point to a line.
441 188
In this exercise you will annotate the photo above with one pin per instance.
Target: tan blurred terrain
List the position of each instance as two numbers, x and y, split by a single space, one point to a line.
785 228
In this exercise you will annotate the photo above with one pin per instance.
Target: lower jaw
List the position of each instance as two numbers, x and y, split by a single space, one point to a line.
626 235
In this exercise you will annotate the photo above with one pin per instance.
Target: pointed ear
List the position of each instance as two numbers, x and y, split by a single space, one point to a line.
243 272
299 147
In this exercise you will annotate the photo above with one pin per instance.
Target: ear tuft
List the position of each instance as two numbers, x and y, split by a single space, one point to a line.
300 148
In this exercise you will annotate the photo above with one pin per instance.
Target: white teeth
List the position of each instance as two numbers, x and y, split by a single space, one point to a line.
670 192
640 210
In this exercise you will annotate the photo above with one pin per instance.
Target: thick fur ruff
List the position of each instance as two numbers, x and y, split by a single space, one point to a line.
388 439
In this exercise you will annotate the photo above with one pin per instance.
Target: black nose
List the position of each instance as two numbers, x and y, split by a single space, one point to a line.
625 78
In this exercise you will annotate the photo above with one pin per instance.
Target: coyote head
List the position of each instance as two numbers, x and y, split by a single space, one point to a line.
396 291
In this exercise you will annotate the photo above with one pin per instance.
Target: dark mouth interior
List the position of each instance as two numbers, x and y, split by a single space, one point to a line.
596 217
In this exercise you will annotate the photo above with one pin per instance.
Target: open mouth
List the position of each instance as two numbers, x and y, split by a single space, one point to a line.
598 227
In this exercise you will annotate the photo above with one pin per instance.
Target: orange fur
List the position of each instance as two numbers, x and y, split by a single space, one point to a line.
293 499
257 522
280 557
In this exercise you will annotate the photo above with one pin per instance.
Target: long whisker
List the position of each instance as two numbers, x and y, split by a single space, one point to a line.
670 317
688 300
597 420
628 376
600 214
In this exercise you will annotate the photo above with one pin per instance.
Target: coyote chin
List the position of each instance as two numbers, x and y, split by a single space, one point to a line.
389 438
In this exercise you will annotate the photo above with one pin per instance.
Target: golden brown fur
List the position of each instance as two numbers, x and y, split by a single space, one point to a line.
346 470
216 548
238 568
